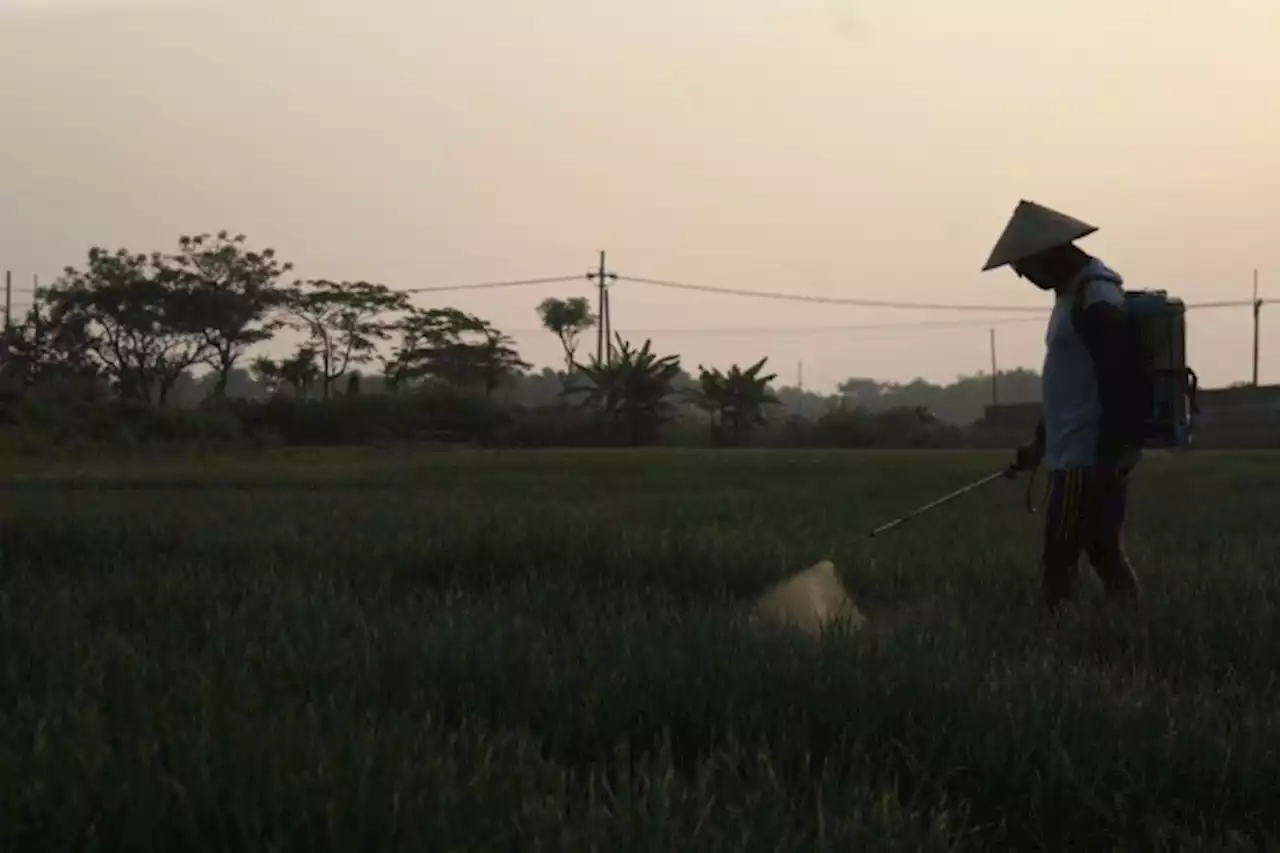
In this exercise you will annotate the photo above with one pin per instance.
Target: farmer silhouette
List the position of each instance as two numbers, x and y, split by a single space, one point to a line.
1088 436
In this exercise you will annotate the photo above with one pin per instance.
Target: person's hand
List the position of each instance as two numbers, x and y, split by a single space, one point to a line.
1028 457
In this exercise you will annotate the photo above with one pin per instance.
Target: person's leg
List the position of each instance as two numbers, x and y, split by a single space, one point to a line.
1064 514
1105 545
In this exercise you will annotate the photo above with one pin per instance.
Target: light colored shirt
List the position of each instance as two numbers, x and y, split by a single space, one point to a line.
1069 381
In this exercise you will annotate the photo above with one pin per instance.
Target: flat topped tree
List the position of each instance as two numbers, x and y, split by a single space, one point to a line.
567 319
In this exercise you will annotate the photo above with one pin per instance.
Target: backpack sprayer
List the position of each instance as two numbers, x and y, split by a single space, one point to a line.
1158 329
1167 388
1164 387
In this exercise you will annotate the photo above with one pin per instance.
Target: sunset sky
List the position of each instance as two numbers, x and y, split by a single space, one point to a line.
862 149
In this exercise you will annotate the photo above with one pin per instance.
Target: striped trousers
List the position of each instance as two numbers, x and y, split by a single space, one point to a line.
1085 513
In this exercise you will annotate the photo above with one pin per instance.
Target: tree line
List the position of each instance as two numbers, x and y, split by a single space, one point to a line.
133 329
138 322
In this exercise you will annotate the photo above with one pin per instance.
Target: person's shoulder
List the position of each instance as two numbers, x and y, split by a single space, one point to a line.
1101 285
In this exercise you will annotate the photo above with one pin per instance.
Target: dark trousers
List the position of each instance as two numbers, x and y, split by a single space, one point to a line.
1085 512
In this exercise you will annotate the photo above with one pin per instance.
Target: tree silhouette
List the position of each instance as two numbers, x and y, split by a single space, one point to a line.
735 400
299 372
632 390
344 322
454 348
123 310
567 319
234 295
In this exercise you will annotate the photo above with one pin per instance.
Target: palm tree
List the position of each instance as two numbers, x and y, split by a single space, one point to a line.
632 389
735 400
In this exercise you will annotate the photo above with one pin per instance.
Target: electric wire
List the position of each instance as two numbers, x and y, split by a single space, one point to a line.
879 303
489 285
1037 312
828 300
805 330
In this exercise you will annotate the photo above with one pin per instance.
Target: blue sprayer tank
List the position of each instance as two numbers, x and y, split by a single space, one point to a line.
1160 323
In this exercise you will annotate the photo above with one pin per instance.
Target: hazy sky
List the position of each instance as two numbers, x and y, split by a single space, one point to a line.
868 148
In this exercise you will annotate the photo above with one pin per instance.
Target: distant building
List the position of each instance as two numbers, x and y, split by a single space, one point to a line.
1261 402
1245 416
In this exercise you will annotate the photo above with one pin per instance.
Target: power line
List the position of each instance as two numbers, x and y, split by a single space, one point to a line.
488 285
829 300
789 297
783 330
879 303
761 294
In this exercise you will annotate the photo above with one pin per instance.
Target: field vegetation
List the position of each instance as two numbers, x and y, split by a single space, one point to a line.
502 650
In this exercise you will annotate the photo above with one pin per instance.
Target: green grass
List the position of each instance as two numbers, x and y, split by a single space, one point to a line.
524 651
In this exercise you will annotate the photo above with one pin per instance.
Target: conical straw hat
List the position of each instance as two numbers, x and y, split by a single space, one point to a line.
1034 228
810 601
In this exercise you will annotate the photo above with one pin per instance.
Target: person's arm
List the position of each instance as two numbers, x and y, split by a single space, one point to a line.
1029 456
1105 332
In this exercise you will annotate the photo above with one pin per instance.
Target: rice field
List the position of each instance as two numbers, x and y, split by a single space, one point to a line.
550 651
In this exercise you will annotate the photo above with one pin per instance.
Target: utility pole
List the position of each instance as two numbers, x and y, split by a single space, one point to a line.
800 375
604 328
608 327
1257 321
995 376
8 300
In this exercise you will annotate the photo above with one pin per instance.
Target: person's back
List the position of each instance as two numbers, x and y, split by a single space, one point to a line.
1069 379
